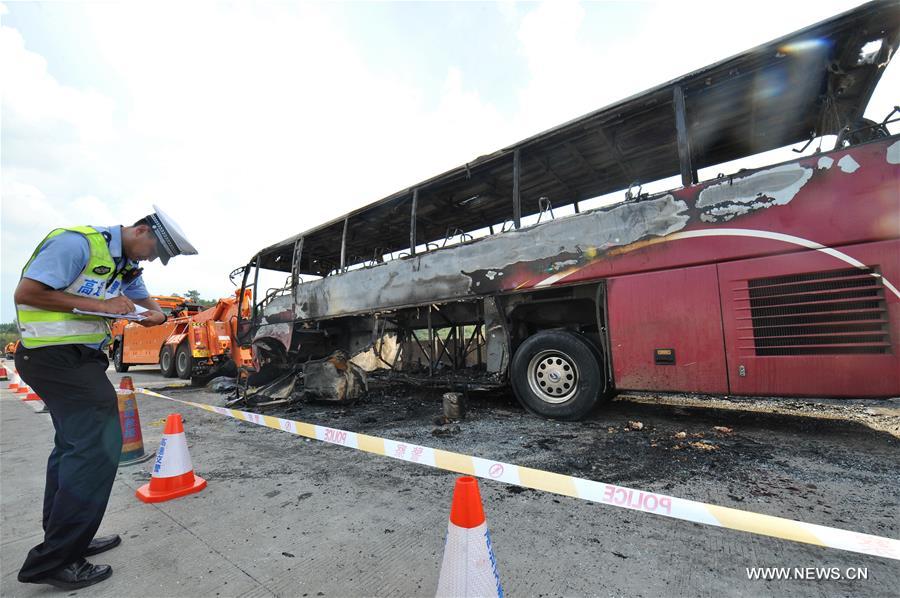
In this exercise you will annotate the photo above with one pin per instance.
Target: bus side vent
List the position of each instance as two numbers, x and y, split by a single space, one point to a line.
838 312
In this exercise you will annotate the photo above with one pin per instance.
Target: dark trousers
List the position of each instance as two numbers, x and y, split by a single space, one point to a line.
71 379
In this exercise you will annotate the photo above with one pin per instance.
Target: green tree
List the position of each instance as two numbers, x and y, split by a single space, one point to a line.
9 333
193 296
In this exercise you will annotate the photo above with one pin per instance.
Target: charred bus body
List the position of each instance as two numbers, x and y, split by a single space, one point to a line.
781 280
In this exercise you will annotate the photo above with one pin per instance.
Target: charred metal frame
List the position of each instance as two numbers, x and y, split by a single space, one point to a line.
412 221
457 346
685 156
517 199
704 118
296 262
344 245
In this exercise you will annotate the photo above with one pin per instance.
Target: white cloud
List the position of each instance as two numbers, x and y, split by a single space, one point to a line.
34 100
25 206
255 125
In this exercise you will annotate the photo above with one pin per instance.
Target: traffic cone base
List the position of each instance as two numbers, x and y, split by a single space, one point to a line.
14 381
173 474
174 487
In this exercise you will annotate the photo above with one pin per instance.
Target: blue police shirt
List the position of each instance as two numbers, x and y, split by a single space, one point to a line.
63 257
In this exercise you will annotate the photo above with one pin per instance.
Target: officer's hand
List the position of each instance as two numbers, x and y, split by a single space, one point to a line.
117 305
153 318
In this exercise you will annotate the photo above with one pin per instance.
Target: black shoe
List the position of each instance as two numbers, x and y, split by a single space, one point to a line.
79 574
102 544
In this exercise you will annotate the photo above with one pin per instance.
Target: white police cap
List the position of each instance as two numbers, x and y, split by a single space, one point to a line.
170 239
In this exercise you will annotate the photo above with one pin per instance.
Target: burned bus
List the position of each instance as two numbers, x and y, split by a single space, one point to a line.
779 281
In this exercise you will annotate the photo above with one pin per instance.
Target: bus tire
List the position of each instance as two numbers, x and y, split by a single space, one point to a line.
184 361
118 361
167 362
558 374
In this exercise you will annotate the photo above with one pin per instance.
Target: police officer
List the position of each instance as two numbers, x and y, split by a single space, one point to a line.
89 268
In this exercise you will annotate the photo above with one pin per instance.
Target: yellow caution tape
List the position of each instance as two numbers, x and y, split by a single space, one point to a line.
598 492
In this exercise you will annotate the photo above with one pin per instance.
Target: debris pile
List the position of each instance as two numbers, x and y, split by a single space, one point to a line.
334 379
702 445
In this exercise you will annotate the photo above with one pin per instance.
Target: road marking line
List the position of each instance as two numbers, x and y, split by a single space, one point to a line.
590 490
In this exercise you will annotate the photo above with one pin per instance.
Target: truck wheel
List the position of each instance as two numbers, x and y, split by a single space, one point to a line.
558 374
167 362
184 361
120 365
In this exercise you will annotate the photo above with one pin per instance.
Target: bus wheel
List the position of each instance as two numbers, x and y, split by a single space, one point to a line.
557 374
118 363
167 362
184 361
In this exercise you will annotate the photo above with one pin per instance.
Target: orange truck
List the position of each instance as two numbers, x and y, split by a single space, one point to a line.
190 344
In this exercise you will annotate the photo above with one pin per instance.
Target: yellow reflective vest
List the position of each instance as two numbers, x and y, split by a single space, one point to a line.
98 280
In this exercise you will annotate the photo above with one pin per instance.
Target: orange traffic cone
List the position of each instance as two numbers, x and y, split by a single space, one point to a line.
14 381
22 389
130 421
173 474
3 375
469 567
31 395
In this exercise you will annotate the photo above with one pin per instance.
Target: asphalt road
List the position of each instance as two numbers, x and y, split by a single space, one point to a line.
284 516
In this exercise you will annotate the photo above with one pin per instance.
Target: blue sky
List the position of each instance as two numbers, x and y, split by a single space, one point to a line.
251 122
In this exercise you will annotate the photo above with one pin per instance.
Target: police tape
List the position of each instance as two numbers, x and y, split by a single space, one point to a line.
598 492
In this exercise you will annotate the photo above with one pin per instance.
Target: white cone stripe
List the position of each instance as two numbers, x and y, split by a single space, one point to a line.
172 458
609 494
469 567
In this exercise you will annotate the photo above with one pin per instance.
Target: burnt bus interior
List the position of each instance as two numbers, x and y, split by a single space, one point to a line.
812 83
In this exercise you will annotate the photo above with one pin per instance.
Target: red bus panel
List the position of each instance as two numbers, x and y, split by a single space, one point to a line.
814 323
666 331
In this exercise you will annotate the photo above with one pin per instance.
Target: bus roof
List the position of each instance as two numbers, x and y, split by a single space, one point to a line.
812 82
